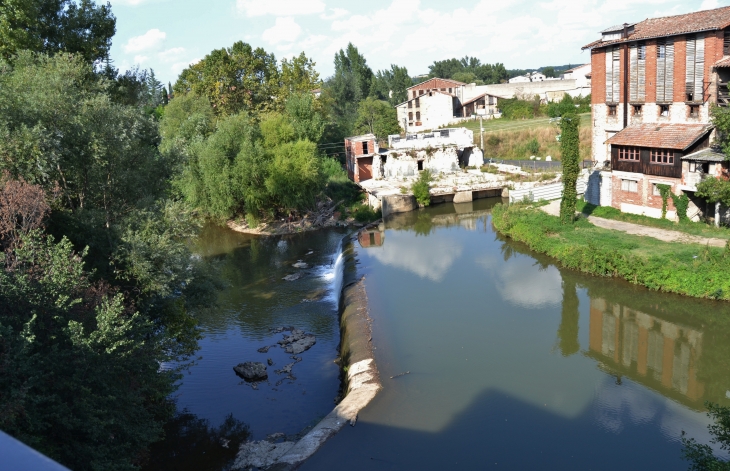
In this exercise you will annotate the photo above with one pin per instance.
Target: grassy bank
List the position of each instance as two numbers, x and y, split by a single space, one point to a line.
690 270
694 228
520 139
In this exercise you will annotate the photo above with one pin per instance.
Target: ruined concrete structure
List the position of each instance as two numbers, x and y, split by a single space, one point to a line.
653 84
443 151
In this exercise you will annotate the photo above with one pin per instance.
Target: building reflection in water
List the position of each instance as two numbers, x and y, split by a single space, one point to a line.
371 238
660 354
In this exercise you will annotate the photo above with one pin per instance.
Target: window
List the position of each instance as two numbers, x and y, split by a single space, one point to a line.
665 71
418 115
631 186
420 165
450 90
694 111
410 104
613 74
699 167
726 47
637 110
664 111
655 189
629 153
443 89
415 93
418 102
695 67
612 110
637 72
662 156
421 92
365 147
410 116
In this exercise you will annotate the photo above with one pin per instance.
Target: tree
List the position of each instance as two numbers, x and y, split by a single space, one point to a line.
721 120
392 85
570 155
700 455
234 79
298 76
468 70
376 117
549 72
52 26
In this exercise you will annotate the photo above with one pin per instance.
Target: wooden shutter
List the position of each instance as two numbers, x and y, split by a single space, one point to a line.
609 75
726 43
661 63
617 74
634 73
690 65
699 91
669 73
641 72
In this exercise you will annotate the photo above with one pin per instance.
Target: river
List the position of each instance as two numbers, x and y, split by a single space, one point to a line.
511 361
515 363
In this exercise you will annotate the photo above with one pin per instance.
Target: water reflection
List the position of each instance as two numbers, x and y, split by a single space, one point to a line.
192 444
568 330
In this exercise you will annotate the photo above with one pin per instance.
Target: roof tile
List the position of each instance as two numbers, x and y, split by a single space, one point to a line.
660 135
705 20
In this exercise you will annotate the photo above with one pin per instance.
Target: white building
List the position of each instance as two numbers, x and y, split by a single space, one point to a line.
580 74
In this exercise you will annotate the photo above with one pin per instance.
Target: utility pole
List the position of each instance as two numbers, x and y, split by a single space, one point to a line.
481 130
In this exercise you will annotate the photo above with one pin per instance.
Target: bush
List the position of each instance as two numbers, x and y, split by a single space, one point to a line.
422 188
533 147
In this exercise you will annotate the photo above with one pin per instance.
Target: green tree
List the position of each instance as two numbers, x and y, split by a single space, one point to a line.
234 79
376 117
298 76
701 455
549 72
392 85
468 70
721 120
351 83
570 157
52 26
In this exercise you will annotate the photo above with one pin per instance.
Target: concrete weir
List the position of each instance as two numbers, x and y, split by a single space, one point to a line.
362 382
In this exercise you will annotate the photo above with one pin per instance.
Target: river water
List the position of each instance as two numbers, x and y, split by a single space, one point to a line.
514 363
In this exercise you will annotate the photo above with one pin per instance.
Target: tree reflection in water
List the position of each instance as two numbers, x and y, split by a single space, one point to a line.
191 444
568 330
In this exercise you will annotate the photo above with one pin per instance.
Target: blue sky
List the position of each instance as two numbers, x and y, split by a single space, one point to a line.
168 35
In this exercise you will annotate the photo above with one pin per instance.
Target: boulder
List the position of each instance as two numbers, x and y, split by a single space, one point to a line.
251 371
297 342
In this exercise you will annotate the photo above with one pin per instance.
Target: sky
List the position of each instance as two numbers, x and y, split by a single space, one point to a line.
169 35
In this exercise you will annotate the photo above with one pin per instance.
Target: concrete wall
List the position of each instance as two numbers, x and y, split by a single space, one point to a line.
598 189
460 137
545 192
405 163
521 90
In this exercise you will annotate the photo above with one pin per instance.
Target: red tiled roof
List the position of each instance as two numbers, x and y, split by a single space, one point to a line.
660 135
724 62
422 84
706 20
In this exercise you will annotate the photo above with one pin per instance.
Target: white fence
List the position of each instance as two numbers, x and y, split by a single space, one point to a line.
545 192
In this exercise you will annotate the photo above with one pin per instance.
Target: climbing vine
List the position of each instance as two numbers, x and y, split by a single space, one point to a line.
681 202
570 155
664 191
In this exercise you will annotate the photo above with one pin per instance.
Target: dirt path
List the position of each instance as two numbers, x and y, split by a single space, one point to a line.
636 229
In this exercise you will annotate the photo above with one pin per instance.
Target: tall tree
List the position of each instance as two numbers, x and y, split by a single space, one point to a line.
570 157
376 117
351 83
78 27
468 70
233 79
392 85
298 76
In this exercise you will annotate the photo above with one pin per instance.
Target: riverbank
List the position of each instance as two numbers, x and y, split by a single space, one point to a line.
690 270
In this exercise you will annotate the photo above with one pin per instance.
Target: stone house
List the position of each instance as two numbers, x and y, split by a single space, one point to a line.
653 84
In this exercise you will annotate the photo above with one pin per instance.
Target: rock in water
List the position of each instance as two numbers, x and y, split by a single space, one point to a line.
293 277
297 342
251 371
300 264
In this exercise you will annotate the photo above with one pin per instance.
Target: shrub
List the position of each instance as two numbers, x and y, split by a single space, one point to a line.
422 188
533 147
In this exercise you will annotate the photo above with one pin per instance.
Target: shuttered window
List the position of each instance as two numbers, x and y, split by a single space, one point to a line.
637 72
695 70
665 71
613 74
726 48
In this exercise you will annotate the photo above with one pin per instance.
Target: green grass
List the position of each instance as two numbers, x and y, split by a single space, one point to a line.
694 228
503 124
691 270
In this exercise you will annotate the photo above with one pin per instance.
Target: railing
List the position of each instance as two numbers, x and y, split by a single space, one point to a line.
723 96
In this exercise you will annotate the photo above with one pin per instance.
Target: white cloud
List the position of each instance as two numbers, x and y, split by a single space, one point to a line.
150 40
417 255
140 59
132 3
284 30
336 13
278 7
180 66
171 55
709 5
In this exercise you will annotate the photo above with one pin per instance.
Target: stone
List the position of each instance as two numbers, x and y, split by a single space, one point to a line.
392 204
275 436
293 277
286 369
270 361
463 197
265 349
297 342
251 371
300 264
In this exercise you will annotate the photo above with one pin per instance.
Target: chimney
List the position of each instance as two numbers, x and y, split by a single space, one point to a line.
626 31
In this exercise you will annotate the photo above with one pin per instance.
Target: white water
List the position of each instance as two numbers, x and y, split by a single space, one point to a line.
333 274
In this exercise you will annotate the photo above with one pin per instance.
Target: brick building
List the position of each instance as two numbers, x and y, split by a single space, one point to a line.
653 84
359 153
